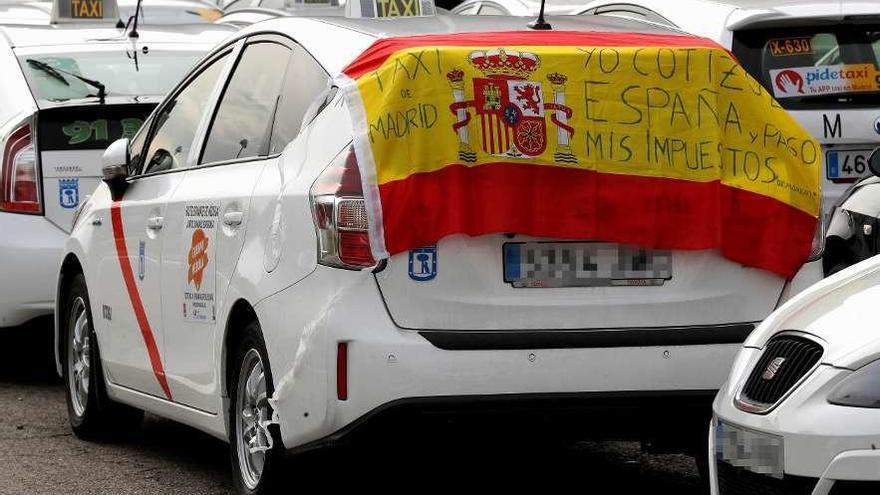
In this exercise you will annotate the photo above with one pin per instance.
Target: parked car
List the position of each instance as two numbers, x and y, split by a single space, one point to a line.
799 413
68 91
796 49
153 12
214 281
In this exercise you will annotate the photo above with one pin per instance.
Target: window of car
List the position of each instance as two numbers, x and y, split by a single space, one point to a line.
466 8
304 82
800 66
177 121
243 121
630 11
492 9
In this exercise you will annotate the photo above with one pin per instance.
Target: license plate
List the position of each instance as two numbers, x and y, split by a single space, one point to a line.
750 450
583 264
847 164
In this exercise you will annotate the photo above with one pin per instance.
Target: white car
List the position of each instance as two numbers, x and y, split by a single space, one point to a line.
516 7
209 281
818 58
54 127
799 413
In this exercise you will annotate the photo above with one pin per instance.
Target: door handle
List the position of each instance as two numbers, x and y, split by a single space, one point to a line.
233 218
155 223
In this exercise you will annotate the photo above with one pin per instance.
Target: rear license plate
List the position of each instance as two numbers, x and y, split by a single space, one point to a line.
847 164
583 264
750 450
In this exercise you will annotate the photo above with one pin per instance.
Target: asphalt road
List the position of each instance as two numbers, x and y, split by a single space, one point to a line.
39 455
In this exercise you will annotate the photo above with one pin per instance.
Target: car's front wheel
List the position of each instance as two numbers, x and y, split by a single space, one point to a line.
256 448
92 414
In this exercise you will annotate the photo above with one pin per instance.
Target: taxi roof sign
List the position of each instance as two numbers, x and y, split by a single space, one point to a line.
66 11
389 8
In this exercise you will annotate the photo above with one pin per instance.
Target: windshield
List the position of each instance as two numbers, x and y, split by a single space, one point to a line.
815 67
140 72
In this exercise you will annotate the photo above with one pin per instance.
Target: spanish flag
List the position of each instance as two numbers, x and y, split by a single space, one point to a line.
661 141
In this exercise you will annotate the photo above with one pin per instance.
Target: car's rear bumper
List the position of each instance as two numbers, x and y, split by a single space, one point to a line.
304 324
30 252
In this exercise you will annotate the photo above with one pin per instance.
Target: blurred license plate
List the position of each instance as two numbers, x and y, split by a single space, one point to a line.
847 164
583 264
750 450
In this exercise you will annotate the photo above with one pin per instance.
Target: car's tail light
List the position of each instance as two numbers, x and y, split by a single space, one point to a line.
19 186
341 215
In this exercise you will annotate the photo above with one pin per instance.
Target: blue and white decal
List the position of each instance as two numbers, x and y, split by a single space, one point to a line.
68 193
423 263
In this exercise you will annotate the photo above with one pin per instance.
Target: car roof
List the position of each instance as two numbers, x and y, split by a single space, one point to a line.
351 36
69 34
413 26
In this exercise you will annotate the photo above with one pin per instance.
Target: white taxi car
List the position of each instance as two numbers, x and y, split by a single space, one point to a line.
153 12
799 413
212 280
69 90
819 59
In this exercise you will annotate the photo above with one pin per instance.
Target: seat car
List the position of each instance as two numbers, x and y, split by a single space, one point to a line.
817 58
221 276
799 413
69 90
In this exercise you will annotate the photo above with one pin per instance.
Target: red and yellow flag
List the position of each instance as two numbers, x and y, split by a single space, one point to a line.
661 141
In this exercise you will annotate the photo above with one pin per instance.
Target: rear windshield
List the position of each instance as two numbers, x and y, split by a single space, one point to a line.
139 72
165 15
814 67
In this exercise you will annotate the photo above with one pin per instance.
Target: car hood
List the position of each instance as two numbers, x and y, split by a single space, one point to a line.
842 311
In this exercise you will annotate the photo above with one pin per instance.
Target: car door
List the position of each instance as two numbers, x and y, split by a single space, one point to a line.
208 216
131 330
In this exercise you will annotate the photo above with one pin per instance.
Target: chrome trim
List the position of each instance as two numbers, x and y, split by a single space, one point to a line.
746 405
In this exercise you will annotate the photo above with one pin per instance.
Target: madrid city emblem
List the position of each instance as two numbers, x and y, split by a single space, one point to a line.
511 108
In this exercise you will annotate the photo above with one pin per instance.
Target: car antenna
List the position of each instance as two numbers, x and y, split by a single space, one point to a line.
134 27
539 24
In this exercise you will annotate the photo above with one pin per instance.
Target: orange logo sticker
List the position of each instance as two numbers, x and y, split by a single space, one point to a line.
198 258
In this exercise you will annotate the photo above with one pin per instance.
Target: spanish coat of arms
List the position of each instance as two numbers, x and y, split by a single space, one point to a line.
511 108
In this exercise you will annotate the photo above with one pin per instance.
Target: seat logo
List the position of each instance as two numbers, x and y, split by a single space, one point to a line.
773 368
423 263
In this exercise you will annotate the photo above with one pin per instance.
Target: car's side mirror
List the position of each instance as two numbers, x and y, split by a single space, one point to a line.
114 166
874 162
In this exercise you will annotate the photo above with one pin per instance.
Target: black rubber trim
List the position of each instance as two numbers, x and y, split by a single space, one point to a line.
681 404
478 340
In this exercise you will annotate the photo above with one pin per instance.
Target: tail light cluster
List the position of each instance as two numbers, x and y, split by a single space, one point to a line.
340 215
19 186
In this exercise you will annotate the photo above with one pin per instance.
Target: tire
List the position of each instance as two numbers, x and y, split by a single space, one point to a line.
253 473
92 414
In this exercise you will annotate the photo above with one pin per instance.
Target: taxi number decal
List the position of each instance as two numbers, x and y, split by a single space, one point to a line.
398 8
784 47
82 131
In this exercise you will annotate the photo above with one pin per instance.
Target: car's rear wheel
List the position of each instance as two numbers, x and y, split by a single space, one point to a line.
92 414
256 448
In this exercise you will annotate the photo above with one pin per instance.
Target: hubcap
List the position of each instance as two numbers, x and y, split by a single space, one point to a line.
252 419
78 351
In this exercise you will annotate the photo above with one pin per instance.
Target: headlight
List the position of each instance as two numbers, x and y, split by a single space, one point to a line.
860 389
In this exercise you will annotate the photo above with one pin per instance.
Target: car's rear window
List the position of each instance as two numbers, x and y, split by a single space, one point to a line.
166 15
139 72
814 67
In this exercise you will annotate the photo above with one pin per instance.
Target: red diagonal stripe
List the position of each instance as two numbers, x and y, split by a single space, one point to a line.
135 296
